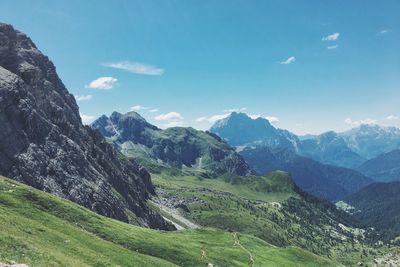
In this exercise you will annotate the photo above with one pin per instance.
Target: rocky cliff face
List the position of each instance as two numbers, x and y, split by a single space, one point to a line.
43 142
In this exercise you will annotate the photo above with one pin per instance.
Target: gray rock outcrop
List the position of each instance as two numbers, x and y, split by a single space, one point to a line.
44 144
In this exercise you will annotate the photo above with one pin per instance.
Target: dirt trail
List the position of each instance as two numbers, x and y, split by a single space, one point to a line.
205 258
236 243
203 254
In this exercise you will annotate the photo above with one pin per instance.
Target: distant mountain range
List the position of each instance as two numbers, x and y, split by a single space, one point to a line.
327 165
347 149
322 180
370 141
384 168
330 148
178 147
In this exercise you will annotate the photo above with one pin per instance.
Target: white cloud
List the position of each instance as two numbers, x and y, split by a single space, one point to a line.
83 97
288 61
331 37
138 108
201 119
136 67
234 110
103 83
86 119
213 118
171 116
349 121
171 119
218 117
272 119
381 32
331 47
391 118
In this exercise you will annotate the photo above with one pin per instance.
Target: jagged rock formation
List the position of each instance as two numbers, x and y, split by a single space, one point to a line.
330 148
177 147
43 142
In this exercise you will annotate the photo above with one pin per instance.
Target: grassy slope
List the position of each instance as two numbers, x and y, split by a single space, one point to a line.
246 187
268 207
42 230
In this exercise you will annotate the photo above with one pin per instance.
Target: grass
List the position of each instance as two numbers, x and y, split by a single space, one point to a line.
39 229
244 188
270 208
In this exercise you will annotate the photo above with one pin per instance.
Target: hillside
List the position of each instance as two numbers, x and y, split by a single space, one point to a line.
39 229
270 207
177 147
383 168
377 205
324 181
43 142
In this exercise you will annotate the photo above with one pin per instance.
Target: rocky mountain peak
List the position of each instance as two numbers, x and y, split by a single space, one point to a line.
181 147
239 129
43 142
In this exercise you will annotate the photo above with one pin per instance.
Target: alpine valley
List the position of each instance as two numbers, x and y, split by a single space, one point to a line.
124 192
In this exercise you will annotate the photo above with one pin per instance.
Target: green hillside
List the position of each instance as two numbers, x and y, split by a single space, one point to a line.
39 229
270 207
377 205
177 147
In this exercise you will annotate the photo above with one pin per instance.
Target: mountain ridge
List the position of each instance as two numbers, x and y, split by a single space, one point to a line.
345 149
177 147
384 168
377 205
322 180
43 142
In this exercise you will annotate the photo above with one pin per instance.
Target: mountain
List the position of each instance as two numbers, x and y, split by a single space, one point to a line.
40 229
347 149
377 205
43 142
238 129
178 147
369 141
330 148
351 148
383 168
322 180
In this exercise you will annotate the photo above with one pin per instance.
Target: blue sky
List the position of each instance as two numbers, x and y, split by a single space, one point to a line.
310 66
